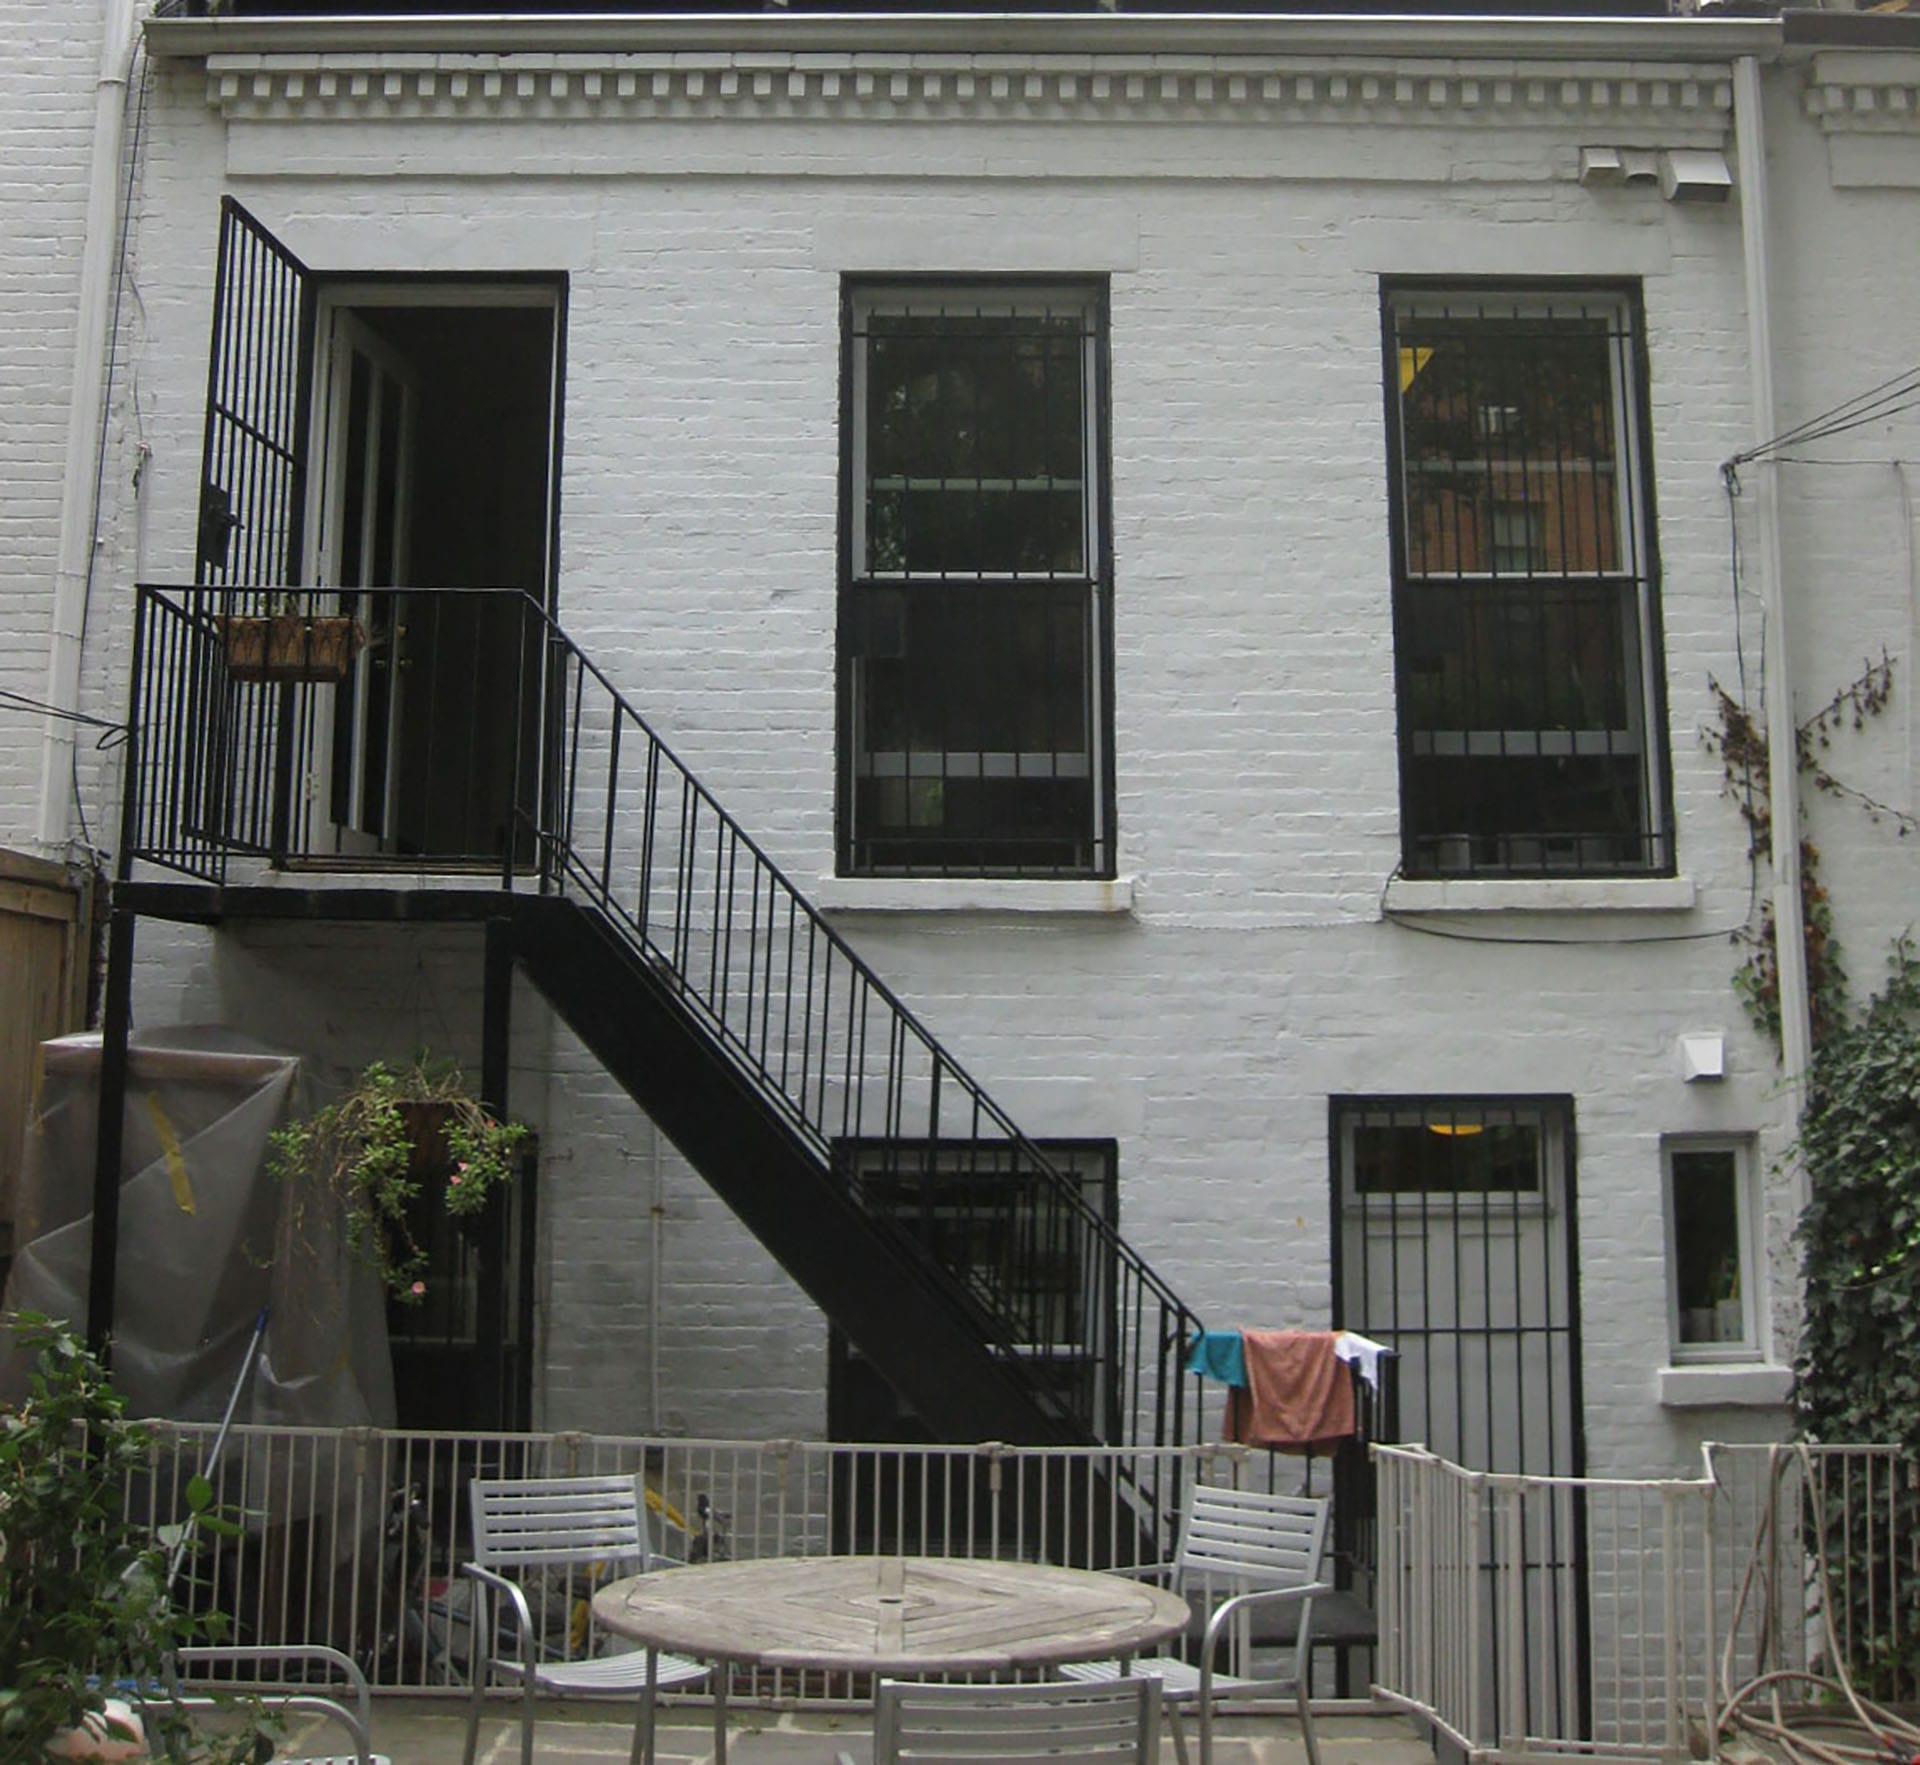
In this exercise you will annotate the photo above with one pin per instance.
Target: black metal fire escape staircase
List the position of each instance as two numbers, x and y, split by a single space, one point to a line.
971 1272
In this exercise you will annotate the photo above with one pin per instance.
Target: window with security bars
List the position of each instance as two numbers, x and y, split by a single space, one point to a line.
974 607
1526 630
1035 1262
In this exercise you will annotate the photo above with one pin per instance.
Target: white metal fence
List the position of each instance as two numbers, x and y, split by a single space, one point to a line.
1633 1617
1520 1615
355 1537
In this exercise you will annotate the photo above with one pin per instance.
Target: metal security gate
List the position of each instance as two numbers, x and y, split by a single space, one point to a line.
1454 1243
253 484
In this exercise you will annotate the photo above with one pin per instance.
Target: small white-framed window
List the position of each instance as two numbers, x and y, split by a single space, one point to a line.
1713 1265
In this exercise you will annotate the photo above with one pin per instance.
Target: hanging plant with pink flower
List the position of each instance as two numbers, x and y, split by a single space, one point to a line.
383 1143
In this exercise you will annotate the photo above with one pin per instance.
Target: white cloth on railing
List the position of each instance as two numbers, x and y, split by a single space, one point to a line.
1363 1353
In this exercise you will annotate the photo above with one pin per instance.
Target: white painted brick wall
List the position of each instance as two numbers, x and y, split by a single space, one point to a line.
1254 713
48 57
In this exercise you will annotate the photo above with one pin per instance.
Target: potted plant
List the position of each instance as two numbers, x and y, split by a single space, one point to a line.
84 1595
397 1132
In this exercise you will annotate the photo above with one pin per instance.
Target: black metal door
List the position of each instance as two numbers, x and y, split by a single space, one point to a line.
253 471
1455 1244
253 481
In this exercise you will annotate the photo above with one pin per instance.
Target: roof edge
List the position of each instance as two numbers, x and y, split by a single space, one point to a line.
1350 35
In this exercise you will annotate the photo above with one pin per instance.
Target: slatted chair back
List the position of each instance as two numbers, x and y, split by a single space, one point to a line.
527 1522
1242 1541
1113 1723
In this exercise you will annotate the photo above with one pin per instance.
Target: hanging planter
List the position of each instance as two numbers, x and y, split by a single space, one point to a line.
395 1133
291 646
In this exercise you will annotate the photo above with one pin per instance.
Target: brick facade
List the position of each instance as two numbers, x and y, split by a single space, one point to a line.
1262 958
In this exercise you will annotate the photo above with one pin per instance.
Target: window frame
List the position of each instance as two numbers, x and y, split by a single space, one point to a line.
1638 570
1752 1342
861 295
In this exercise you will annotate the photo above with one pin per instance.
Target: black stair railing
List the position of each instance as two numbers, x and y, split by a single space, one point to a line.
230 758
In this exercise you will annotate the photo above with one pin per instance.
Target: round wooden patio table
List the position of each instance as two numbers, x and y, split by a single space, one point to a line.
897 1616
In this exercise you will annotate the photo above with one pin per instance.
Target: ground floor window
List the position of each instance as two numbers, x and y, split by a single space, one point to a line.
1711 1260
980 1210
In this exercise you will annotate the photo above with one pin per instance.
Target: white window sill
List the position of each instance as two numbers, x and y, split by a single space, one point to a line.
1725 1384
1544 894
978 894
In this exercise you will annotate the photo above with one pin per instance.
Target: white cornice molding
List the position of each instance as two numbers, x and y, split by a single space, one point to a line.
396 85
1864 92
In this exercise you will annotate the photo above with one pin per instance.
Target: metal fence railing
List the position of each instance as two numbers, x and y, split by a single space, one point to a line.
1821 1567
1787 1575
1507 1656
354 1537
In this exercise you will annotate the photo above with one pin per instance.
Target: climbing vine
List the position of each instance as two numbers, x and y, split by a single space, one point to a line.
1858 1366
1741 746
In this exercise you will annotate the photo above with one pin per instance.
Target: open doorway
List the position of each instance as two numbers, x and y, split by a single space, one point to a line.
434 443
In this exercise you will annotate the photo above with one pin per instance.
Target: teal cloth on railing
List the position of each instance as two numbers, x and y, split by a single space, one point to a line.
1220 1355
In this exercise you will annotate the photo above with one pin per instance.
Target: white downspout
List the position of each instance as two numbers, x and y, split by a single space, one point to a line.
78 513
1783 782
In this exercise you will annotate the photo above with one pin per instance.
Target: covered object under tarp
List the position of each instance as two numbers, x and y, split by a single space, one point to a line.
207 1238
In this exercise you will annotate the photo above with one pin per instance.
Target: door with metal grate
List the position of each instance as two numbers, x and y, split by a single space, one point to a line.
253 482
1454 1243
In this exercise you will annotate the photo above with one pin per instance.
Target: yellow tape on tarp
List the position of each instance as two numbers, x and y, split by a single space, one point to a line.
170 1151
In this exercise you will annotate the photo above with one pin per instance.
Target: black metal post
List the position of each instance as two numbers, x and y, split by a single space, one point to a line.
103 1258
510 1241
496 1016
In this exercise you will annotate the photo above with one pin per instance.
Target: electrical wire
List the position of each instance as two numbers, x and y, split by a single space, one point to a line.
115 734
1891 398
139 90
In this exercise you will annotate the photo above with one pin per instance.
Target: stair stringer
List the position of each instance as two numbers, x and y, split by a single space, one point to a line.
892 1309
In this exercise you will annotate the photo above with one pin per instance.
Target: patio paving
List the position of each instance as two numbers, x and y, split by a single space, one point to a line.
429 1731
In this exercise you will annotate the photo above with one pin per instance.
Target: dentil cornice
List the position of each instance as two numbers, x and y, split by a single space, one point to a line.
398 86
1864 93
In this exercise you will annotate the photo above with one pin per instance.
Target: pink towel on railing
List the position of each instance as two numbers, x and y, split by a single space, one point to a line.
1299 1393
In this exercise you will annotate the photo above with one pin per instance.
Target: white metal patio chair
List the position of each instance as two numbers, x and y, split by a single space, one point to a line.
1242 1550
1113 1723
596 1525
306 1694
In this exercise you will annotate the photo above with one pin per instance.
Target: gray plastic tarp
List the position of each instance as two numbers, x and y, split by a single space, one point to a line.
207 1238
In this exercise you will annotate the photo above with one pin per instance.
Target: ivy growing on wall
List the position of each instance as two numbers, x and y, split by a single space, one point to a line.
1858 1366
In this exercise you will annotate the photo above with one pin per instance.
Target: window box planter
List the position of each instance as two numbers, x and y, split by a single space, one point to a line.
291 646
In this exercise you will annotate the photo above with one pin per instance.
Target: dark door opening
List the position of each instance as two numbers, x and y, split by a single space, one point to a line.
434 428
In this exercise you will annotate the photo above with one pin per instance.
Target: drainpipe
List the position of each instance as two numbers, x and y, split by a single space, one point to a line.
79 508
1783 782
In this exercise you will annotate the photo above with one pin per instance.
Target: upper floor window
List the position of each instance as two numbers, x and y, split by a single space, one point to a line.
1526 629
974 607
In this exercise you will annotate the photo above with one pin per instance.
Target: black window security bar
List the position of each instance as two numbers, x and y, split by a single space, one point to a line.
603 811
974 605
984 1209
1454 1244
1525 616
